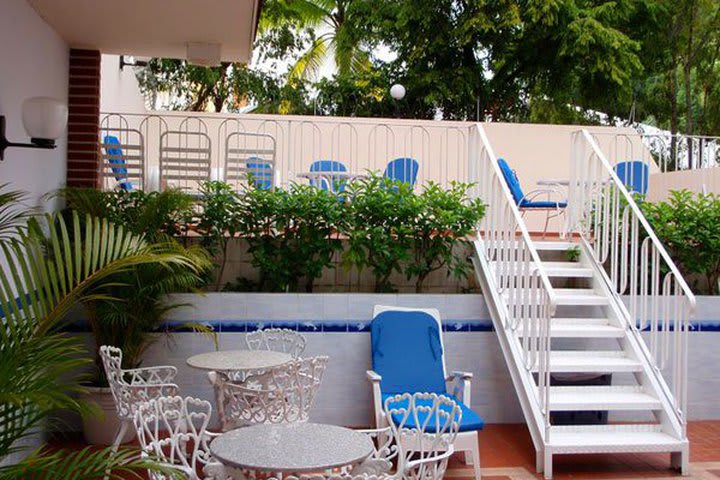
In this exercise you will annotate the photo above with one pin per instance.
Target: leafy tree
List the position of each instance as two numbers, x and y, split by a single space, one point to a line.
331 30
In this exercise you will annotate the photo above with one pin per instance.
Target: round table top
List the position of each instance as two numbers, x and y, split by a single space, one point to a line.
235 360
299 447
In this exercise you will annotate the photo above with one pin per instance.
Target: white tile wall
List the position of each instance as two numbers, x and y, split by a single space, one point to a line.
344 397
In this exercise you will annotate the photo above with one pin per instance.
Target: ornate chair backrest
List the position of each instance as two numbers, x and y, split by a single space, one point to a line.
174 429
278 340
283 394
112 361
424 426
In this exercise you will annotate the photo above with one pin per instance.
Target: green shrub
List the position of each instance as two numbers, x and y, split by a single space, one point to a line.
689 227
292 234
382 216
445 218
218 221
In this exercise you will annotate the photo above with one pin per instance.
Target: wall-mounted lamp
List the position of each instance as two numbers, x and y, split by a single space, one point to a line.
130 61
44 120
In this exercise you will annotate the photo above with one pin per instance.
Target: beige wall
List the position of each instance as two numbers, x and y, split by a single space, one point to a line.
705 180
119 89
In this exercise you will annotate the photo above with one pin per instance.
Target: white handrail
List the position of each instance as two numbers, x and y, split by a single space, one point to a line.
517 272
608 218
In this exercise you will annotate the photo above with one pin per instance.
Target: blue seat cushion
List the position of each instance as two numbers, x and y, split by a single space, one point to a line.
542 204
512 181
470 420
407 352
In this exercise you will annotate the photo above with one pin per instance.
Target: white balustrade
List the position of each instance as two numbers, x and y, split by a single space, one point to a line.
609 220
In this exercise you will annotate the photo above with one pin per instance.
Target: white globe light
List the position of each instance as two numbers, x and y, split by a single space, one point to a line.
44 118
397 91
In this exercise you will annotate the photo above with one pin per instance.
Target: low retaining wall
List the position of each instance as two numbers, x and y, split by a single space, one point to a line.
338 325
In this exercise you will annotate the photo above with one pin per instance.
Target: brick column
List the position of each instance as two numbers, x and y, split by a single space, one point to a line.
83 168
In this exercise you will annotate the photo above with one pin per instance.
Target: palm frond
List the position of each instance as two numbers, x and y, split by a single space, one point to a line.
13 213
86 464
51 266
310 62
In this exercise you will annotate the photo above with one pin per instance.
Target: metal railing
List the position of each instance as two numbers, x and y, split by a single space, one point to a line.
219 147
669 152
515 267
659 302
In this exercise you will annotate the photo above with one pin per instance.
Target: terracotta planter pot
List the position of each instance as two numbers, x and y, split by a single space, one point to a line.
101 429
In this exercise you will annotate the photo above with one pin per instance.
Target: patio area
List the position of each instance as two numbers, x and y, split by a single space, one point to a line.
508 454
393 272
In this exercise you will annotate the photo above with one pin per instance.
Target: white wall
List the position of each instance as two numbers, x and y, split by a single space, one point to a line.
34 63
119 89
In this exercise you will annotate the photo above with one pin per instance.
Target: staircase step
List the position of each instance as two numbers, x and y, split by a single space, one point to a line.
561 269
588 361
601 398
584 328
612 439
580 296
556 245
567 269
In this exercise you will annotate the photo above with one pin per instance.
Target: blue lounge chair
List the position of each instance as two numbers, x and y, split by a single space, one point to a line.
635 175
328 182
260 172
527 201
408 357
403 169
116 157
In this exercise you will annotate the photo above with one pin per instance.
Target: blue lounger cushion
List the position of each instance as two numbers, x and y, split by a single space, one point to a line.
114 150
408 359
470 420
542 204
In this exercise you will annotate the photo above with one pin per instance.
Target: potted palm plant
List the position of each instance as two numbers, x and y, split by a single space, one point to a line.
129 312
41 368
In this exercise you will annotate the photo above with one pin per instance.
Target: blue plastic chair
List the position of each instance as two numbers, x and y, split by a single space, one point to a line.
526 201
261 173
404 169
329 166
635 175
116 158
408 357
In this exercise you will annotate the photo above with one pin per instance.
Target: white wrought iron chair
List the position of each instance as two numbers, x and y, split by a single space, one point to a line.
174 430
131 387
283 394
423 427
278 340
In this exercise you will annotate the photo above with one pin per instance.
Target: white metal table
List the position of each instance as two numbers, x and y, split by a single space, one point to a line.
548 182
238 360
297 447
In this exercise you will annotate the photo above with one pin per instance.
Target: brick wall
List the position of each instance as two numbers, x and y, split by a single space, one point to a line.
84 117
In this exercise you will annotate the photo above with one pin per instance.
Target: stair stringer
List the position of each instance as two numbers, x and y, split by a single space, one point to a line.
522 379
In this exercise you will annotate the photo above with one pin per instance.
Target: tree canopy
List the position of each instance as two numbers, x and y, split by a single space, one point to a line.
555 61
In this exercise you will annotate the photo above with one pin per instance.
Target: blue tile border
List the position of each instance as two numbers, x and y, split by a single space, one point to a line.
337 326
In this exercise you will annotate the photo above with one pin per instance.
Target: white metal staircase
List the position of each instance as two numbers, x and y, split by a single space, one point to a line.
622 309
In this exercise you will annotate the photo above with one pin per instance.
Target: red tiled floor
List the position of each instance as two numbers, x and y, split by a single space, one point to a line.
507 453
